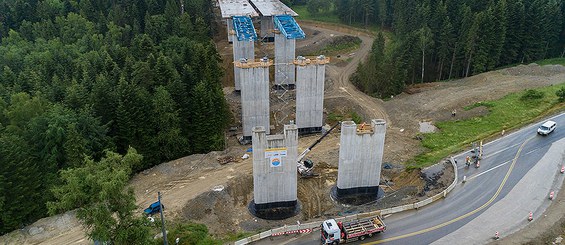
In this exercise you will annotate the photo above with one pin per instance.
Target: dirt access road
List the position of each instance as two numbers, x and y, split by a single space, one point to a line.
198 188
342 89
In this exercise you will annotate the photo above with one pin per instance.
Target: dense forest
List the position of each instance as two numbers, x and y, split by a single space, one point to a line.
82 78
443 39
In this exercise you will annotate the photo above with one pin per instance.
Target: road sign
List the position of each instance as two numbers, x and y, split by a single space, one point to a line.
301 231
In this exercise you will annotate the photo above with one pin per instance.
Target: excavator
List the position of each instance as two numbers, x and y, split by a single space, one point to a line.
304 166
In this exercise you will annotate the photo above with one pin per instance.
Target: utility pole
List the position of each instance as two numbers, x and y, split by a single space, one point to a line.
165 242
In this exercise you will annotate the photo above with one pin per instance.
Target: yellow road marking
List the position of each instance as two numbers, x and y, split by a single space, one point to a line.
467 214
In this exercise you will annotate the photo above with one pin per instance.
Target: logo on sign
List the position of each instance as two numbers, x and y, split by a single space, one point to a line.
275 162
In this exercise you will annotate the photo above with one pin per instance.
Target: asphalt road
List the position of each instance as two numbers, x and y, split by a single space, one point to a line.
517 173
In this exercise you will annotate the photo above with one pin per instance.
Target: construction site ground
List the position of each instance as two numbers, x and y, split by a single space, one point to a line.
216 188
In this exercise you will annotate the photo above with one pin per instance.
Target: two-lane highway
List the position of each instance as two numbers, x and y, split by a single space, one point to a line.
517 173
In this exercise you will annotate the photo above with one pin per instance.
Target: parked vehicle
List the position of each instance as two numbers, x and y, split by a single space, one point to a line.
547 127
343 232
154 208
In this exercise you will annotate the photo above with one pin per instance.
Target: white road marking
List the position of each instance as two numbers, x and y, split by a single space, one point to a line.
488 170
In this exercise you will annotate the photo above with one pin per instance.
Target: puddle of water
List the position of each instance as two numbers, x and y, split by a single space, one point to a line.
427 127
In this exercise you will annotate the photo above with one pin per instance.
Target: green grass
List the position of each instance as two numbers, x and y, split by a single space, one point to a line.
332 18
554 61
232 237
334 117
509 112
338 48
303 14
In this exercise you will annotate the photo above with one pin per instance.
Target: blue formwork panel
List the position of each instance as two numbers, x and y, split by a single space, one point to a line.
288 27
243 27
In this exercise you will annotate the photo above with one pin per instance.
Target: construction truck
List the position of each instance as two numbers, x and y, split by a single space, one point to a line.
343 232
304 166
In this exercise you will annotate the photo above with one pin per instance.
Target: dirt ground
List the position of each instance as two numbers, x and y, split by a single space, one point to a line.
198 188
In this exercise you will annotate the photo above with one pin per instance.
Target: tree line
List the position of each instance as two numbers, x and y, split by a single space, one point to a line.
80 79
433 40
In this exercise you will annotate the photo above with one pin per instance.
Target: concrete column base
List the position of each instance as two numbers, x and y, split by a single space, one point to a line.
310 130
274 210
284 86
356 196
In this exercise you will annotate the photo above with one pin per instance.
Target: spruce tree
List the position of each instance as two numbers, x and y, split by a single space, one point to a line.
166 118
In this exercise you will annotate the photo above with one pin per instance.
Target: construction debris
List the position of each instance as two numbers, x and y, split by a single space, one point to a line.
226 160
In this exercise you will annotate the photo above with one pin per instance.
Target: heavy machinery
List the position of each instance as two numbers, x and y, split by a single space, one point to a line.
304 166
333 232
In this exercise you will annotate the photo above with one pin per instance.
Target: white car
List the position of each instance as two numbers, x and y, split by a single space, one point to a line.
546 128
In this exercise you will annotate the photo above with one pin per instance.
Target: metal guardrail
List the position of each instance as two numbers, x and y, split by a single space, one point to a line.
313 225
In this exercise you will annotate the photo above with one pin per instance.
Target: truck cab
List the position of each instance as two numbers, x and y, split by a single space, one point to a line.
349 231
330 232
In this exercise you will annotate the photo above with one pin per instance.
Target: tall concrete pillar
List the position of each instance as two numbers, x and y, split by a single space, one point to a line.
229 25
244 37
286 33
284 58
254 95
244 49
267 28
274 173
310 80
360 160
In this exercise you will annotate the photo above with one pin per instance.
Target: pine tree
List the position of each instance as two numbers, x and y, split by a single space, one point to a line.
208 115
185 27
446 46
482 43
75 147
499 14
142 75
133 121
23 187
76 96
104 101
164 71
169 140
425 37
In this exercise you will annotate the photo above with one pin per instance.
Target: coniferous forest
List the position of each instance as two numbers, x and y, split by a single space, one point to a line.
433 40
80 78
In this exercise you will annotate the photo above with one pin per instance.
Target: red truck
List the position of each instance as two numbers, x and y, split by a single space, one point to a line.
343 232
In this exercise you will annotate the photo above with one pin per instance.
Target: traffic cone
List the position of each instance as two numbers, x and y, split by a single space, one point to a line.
562 169
496 236
530 216
551 194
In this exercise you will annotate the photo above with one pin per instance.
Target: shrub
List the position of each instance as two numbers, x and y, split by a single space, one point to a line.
561 94
532 94
190 234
